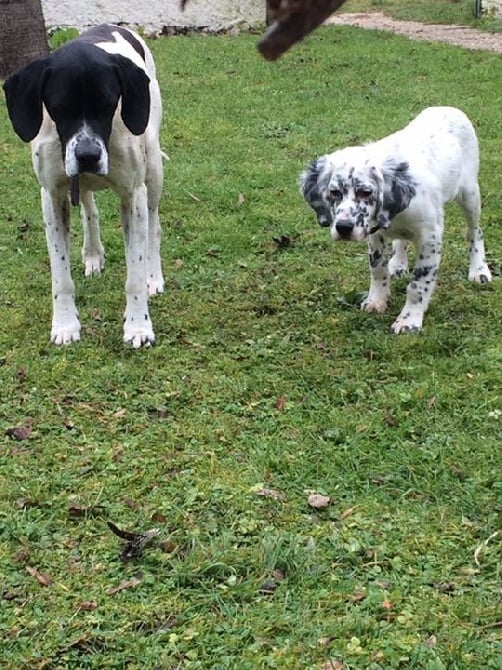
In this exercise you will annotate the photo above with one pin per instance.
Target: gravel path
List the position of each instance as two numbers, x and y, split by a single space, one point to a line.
463 36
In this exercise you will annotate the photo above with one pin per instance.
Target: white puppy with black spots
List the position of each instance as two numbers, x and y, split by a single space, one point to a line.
395 190
92 113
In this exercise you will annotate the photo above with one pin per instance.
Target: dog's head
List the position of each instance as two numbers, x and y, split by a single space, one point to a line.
355 196
80 86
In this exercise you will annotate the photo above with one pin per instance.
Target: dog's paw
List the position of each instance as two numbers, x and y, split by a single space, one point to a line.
480 275
374 306
65 332
139 337
155 286
94 265
407 323
397 270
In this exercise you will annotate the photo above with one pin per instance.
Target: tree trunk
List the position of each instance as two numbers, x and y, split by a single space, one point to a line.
22 34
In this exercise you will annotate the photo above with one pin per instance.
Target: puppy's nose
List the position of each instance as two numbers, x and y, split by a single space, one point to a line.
344 228
88 154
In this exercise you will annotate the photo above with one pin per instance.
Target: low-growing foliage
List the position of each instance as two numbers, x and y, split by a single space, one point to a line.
267 384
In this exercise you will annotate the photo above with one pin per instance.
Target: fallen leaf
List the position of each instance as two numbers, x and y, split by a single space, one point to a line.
270 493
280 403
332 664
431 641
268 587
158 517
136 542
241 199
126 584
87 606
19 432
318 501
346 513
387 605
41 578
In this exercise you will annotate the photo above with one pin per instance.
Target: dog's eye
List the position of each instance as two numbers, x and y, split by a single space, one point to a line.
335 194
363 192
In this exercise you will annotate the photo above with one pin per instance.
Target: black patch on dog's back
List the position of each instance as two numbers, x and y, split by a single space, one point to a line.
104 33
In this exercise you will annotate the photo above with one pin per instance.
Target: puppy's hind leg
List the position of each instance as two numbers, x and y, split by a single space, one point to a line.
154 178
398 263
470 201
93 253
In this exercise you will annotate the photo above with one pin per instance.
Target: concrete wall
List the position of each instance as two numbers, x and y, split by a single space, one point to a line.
154 15
492 8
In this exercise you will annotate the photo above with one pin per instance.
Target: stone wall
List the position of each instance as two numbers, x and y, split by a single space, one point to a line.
153 16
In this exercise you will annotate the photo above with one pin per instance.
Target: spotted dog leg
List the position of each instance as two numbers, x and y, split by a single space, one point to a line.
423 281
138 329
93 253
379 292
398 263
65 321
470 202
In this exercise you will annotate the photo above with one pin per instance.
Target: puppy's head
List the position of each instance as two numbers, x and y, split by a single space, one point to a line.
80 86
355 196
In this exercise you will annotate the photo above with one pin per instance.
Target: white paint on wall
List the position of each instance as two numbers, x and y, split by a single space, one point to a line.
154 15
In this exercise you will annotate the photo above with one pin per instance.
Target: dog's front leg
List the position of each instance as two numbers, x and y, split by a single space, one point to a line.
423 282
379 292
138 329
56 213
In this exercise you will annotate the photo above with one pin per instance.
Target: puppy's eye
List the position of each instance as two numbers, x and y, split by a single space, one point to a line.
335 194
363 192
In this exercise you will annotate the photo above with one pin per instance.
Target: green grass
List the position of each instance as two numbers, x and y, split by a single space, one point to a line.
264 375
460 12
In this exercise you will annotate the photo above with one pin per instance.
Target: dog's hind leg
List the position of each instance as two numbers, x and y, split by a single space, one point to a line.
398 263
470 201
154 277
65 321
93 253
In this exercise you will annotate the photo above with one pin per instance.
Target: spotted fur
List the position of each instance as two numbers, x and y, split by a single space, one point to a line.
394 190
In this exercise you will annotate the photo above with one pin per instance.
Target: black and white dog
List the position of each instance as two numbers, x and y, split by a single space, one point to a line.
395 190
92 112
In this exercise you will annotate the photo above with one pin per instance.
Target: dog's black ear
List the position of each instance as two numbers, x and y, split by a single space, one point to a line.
399 187
23 94
134 84
312 185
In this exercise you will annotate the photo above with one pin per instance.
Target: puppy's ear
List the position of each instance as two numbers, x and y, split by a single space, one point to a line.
23 94
396 189
399 187
134 84
312 184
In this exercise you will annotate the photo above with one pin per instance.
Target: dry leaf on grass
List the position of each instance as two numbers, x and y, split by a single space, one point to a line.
126 584
41 578
318 500
270 493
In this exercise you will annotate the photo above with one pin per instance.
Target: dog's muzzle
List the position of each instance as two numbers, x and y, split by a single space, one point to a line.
344 228
88 155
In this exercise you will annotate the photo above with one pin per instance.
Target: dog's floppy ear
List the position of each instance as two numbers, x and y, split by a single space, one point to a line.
134 84
396 188
23 94
312 183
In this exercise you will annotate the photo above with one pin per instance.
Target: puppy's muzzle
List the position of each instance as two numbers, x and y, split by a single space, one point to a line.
344 228
88 155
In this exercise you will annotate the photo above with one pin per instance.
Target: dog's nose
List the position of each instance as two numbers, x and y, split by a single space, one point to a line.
88 155
344 228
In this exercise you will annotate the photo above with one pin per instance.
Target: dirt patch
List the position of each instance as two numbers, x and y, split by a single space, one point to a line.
469 38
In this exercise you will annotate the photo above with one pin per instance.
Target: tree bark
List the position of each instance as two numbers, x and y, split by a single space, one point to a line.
22 34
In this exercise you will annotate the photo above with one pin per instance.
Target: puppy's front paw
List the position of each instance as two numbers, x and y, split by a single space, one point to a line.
139 336
374 306
65 332
407 323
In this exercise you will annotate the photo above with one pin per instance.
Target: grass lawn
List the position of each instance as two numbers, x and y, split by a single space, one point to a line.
267 384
